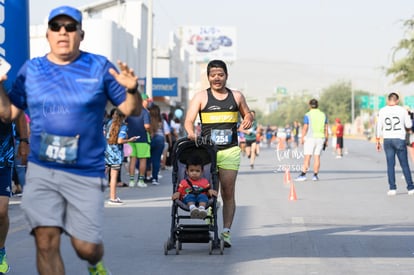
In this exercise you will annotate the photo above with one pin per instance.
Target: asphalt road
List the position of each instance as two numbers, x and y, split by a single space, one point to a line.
342 224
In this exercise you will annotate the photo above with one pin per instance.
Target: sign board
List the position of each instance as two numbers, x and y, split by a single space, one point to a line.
372 102
163 86
205 43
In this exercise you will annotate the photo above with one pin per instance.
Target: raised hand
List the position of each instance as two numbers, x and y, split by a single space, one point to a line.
126 77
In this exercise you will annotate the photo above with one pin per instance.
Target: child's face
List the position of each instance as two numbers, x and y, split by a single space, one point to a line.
194 171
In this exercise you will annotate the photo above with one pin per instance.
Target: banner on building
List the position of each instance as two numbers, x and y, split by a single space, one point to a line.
162 86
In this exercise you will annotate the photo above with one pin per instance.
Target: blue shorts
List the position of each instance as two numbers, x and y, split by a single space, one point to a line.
5 181
195 198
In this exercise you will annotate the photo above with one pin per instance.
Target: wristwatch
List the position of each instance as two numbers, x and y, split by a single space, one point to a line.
132 91
26 140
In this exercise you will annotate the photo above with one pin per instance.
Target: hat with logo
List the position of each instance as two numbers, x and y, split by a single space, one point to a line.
73 13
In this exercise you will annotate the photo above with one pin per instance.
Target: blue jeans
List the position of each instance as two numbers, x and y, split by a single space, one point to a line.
157 146
392 147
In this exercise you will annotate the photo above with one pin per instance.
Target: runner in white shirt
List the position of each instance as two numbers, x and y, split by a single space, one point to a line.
391 125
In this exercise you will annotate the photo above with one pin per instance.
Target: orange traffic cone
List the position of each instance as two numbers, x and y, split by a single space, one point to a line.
287 178
292 195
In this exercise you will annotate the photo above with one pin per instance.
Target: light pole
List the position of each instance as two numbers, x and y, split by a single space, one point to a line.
148 83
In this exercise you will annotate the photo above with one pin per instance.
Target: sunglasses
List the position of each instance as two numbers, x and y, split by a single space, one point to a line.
70 27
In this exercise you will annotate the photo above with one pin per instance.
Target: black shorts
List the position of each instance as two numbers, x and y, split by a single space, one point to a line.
340 142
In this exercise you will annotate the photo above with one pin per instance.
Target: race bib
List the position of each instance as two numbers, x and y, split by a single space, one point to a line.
59 149
221 137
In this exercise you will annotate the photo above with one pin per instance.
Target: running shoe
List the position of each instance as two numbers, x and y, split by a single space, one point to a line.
315 178
392 192
155 182
99 269
194 213
225 236
202 214
4 265
300 178
141 184
131 183
116 201
411 192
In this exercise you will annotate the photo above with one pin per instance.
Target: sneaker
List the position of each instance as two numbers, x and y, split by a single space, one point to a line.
225 236
99 269
203 214
411 192
131 183
315 178
194 213
392 192
155 182
4 265
116 201
141 184
301 178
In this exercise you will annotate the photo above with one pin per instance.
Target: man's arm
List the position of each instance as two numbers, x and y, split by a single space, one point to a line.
304 132
244 110
23 130
192 112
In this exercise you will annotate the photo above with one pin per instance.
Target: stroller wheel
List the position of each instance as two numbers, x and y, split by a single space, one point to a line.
177 247
210 247
166 248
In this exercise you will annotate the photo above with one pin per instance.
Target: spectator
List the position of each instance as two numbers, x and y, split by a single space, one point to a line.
138 126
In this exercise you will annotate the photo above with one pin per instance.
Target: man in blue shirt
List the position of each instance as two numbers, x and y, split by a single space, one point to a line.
66 92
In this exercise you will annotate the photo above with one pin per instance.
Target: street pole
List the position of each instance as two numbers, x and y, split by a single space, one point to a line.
148 83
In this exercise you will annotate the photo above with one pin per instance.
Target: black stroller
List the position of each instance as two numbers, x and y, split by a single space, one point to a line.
206 232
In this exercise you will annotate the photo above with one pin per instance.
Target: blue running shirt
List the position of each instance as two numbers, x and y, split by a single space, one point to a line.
68 100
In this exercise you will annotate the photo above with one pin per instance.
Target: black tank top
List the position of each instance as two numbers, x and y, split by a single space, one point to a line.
219 120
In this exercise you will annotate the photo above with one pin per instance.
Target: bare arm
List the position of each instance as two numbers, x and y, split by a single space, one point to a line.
8 112
22 129
244 110
192 112
304 132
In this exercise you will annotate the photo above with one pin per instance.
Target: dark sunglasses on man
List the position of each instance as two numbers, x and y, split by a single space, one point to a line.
70 27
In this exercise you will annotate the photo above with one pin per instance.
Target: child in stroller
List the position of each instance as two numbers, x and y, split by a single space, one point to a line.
195 189
197 231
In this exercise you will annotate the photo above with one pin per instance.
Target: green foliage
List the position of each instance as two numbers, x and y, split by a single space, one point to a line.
402 67
335 101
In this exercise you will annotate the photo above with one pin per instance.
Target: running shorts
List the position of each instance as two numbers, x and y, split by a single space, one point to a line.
60 199
229 158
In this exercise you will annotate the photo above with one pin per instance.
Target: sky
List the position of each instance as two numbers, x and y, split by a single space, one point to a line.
302 45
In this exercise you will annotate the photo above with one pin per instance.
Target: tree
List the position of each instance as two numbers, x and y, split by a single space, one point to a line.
402 67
